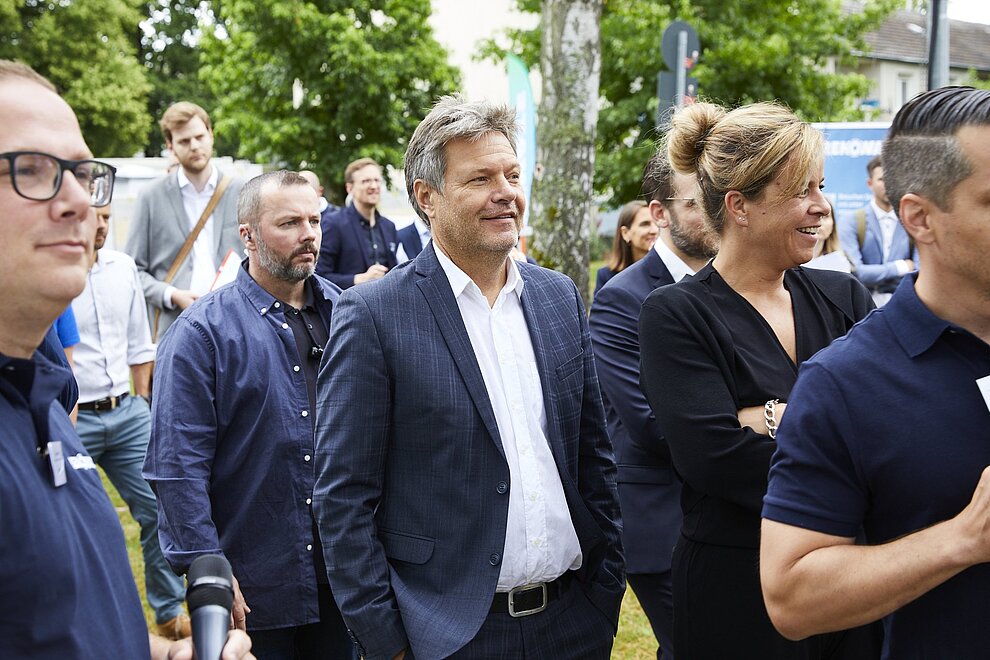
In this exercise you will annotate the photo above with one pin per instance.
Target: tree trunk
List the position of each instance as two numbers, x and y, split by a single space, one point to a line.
563 192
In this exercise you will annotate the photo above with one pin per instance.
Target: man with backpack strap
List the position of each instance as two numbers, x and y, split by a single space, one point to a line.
875 242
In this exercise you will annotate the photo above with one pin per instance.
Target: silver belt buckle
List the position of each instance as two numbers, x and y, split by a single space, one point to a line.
513 612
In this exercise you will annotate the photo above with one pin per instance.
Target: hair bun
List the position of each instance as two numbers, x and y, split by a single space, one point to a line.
690 128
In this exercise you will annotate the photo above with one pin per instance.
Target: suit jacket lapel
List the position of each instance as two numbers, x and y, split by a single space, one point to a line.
218 227
657 270
178 208
436 290
360 238
877 233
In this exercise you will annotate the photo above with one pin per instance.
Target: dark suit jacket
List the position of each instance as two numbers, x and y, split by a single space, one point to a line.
344 251
867 262
409 238
649 492
410 491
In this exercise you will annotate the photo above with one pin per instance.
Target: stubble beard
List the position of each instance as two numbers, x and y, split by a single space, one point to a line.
700 245
282 268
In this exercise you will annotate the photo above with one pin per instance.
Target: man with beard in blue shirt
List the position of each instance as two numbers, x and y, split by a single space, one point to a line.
232 426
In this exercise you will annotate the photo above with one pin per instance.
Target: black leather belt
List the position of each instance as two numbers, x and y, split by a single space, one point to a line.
530 598
103 405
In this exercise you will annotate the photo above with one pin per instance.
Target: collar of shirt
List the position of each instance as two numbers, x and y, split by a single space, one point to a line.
915 326
881 214
103 259
264 302
424 232
459 280
675 265
211 183
363 220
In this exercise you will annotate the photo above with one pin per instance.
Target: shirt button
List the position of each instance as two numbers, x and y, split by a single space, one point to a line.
264 309
309 500
307 457
309 547
285 326
295 367
502 487
277 305
305 413
494 559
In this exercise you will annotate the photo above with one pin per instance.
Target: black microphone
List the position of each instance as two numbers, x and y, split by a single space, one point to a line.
210 595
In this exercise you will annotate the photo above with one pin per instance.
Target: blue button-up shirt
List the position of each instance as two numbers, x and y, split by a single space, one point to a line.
231 447
887 431
66 588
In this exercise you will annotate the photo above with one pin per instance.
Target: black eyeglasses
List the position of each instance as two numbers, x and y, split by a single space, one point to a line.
38 176
688 201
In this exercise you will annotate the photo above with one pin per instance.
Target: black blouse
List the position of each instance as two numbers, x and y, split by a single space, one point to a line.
706 353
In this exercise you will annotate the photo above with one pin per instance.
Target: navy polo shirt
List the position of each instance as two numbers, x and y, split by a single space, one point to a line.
66 589
886 430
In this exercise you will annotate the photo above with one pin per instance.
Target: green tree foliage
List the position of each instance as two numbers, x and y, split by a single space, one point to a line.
364 73
170 53
752 50
86 48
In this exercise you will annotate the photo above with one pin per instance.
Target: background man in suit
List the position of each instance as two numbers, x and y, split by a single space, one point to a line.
114 350
874 240
649 492
412 239
170 208
232 434
467 496
326 208
359 243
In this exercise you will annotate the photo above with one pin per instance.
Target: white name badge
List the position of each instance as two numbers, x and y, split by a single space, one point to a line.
82 462
984 385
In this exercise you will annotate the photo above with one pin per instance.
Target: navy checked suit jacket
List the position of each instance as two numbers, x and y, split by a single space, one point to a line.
649 491
344 251
868 264
409 460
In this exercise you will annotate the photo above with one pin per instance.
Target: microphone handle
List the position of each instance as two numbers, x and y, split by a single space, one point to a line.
210 624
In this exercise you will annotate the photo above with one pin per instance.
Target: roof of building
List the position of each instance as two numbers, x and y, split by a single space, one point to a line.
904 37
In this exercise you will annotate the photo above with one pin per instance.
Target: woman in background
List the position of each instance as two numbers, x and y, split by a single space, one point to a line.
634 236
720 352
828 252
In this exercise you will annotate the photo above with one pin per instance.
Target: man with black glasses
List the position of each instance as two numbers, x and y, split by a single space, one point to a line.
67 588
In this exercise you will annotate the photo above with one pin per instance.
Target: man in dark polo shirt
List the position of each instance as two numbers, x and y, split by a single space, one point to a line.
67 588
359 243
887 432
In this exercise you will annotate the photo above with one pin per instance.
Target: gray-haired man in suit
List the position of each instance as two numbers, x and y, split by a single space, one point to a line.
465 483
171 208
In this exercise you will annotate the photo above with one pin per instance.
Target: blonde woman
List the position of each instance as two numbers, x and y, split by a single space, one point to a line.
720 353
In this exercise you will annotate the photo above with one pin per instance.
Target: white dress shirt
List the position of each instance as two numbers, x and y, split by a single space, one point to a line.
888 225
113 327
540 541
203 262
675 265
